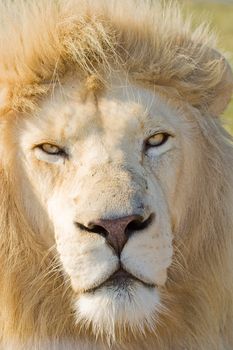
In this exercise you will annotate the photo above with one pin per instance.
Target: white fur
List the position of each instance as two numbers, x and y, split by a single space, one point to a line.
107 175
111 307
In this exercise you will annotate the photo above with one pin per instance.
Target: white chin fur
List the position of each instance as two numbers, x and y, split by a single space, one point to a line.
115 309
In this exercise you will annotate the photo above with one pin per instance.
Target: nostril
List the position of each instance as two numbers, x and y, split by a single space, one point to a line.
117 231
98 229
93 228
138 224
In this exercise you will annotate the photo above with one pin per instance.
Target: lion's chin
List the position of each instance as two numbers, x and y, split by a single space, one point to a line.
114 309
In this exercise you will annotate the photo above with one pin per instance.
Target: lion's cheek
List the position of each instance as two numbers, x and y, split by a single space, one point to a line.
88 264
148 257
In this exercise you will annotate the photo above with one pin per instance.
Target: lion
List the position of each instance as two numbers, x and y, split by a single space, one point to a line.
116 179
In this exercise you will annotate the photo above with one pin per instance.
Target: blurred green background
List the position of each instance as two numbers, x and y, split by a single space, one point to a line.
219 13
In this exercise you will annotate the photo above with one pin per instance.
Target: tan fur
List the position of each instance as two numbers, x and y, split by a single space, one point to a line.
43 42
155 46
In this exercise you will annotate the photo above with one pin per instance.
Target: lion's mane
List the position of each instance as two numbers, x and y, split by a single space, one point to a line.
41 42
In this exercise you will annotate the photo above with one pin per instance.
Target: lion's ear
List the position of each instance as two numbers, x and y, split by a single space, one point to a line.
224 88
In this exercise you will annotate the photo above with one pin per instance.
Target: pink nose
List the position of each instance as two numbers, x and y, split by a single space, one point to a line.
117 231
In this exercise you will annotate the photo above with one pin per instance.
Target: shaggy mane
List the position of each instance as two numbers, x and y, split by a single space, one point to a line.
40 41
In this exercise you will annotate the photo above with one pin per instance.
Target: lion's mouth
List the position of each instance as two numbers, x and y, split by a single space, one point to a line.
120 279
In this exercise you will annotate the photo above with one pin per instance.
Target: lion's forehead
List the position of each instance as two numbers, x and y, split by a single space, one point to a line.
121 111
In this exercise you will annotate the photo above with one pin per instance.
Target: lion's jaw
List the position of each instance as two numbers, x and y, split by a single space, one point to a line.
107 175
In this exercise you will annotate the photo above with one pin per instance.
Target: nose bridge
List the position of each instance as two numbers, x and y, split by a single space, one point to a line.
111 190
112 182
117 180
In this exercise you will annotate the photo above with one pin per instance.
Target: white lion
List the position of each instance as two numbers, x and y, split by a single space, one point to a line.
116 179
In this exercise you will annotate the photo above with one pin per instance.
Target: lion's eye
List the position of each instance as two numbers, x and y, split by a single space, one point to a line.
157 140
51 149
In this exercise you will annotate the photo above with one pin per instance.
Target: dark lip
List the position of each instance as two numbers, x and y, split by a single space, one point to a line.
121 277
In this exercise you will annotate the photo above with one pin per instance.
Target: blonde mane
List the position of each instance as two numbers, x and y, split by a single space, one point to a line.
40 43
152 44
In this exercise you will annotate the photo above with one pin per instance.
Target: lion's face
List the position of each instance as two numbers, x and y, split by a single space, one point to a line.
100 178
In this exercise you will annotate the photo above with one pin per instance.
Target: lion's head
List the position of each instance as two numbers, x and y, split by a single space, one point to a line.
116 178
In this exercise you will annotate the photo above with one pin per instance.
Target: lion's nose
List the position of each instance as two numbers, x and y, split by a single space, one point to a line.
117 231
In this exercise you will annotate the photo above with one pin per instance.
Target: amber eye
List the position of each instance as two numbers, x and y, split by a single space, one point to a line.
157 140
51 149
